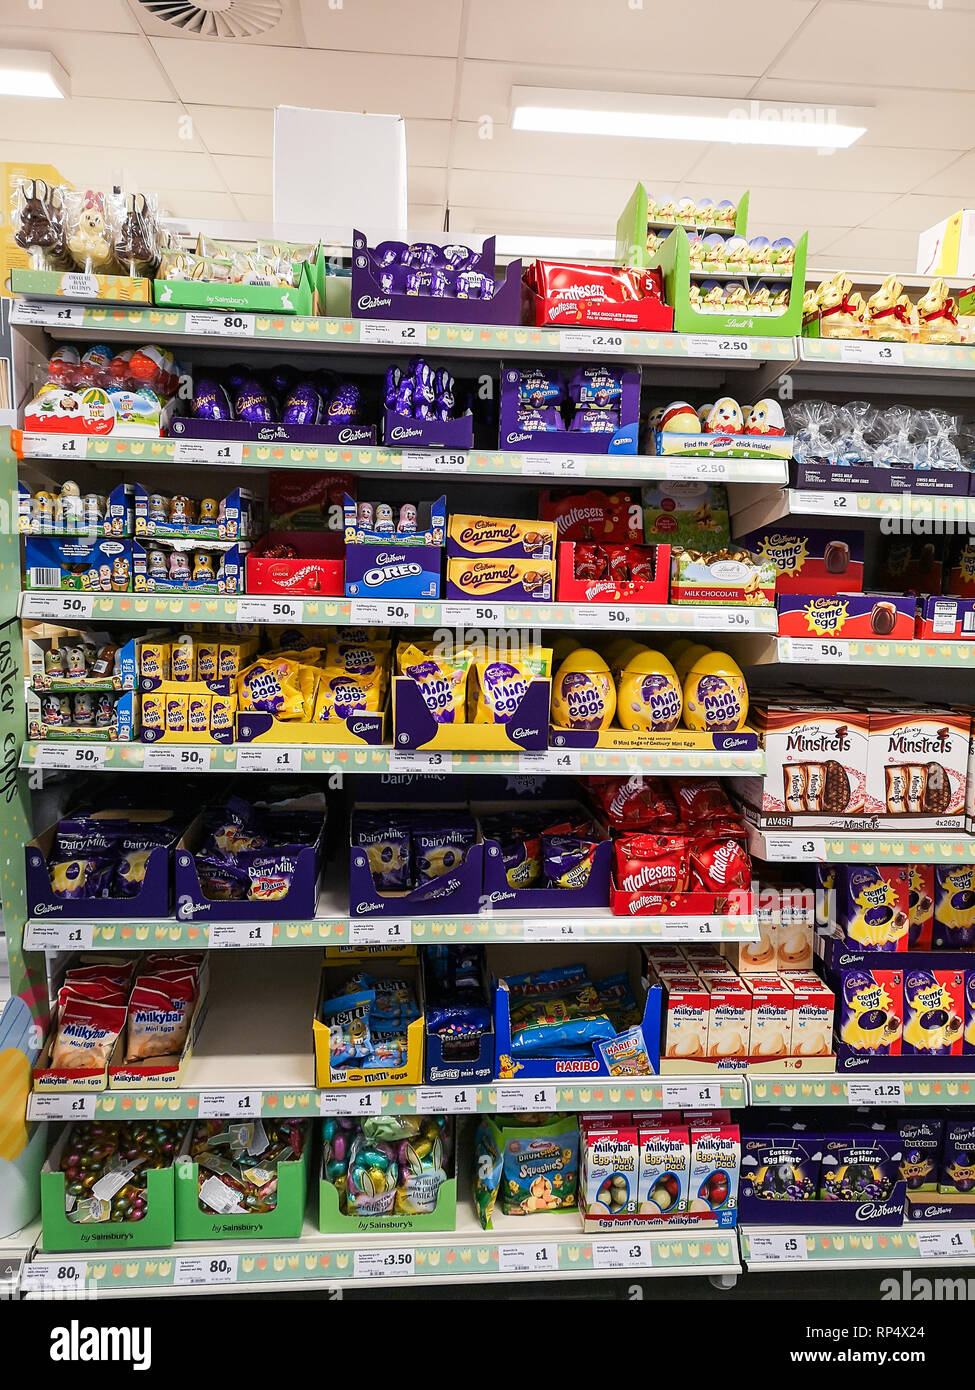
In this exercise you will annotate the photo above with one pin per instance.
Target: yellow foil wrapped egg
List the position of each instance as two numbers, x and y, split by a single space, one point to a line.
562 647
649 696
715 694
683 663
583 693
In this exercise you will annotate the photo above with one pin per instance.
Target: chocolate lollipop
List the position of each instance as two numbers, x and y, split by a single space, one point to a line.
41 227
134 243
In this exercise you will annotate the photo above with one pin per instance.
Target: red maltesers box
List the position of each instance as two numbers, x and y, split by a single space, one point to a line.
881 617
606 566
595 296
317 571
596 515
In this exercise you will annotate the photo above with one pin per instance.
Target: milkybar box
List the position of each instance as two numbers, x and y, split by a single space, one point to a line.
771 1024
687 1010
816 761
917 767
730 1023
518 580
813 1007
496 537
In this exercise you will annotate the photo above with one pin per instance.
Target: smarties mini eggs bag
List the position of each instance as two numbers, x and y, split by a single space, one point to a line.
249 853
457 1001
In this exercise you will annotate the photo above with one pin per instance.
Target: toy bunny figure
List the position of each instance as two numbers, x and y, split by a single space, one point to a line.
889 312
88 242
841 313
41 229
937 314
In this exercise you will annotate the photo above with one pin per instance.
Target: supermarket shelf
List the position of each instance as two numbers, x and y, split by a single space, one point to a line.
14 1251
919 1088
333 927
833 652
473 463
62 604
65 756
867 505
859 846
308 333
892 363
539 1247
784 1248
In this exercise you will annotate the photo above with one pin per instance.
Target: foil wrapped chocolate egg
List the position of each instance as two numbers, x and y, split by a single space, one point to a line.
253 404
210 401
344 406
281 379
303 405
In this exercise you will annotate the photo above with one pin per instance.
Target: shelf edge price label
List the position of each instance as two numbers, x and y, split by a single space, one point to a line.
270 758
220 452
529 1259
226 935
622 1254
725 620
62 1105
795 849
600 615
380 931
56 606
815 503
371 610
229 1105
59 934
776 1247
384 1264
62 757
877 1091
44 314
589 340
690 1095
432 461
945 1243
472 614
212 324
691 469
419 760
350 1102
719 345
446 1100
552 932
564 760
270 610
72 446
552 465
160 757
807 649
526 1097
192 1270
872 353
390 333
689 928
54 1276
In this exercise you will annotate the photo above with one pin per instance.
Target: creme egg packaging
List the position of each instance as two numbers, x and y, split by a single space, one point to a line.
954 905
873 906
871 1012
934 1013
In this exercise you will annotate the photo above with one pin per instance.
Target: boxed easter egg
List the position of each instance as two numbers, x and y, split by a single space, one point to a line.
691 514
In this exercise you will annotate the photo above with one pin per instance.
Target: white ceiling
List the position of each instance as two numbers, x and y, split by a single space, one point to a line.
447 64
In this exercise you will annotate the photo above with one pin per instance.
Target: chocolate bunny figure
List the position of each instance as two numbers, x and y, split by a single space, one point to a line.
88 242
41 229
134 244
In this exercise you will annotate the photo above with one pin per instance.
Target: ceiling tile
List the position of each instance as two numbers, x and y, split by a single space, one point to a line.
788 209
913 213
383 26
427 185
890 249
907 117
426 218
246 173
93 17
956 179
576 157
548 193
153 125
859 168
196 204
256 207
590 37
427 142
118 64
235 129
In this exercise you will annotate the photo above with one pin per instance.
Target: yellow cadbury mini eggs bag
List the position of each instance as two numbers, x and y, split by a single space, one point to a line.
501 682
442 680
271 684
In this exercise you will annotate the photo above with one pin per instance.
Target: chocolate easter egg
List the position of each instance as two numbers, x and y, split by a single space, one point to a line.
210 401
303 406
253 404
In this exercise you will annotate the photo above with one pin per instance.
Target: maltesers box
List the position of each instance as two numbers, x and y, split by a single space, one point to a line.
809 559
569 589
613 297
596 515
881 617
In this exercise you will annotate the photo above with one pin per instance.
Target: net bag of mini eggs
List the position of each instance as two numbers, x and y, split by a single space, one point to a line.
388 1163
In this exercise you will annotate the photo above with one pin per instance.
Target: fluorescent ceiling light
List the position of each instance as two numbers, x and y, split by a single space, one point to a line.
706 119
598 248
27 74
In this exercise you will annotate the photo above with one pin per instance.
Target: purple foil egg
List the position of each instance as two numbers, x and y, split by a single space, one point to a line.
389 253
303 406
345 404
281 379
253 403
236 374
210 401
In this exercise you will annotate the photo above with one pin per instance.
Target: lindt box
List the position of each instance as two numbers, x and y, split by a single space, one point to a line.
881 617
816 764
809 560
917 767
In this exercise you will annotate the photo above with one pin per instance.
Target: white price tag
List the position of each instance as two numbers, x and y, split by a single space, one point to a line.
50 1276
55 446
430 461
272 758
719 345
446 1100
472 614
945 1242
728 619
551 760
350 1102
603 615
872 354
389 333
385 611
230 1105
210 324
817 503
691 469
552 931
239 934
776 1247
77 285
59 935
598 340
379 931
216 451
64 1105
689 928
803 650
384 1264
552 466
65 757
270 610
43 313
794 849
525 1259
57 606
418 760
876 1091
192 1270
526 1097
162 757
622 1254
690 1095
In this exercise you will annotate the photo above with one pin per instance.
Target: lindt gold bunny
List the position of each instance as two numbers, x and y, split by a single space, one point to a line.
889 312
937 315
841 312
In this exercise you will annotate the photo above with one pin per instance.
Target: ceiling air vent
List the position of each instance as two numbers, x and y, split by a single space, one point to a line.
220 19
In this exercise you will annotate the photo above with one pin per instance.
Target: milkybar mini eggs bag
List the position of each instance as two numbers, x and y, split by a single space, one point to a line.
442 680
501 681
